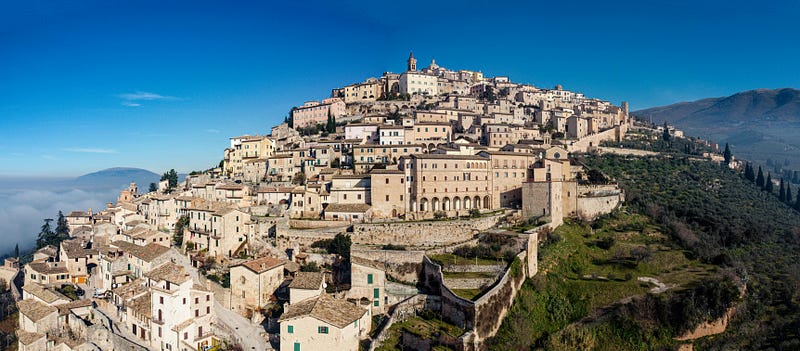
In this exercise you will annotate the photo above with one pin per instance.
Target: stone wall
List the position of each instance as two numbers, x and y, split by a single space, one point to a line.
468 283
474 268
401 265
402 311
591 141
315 224
596 200
484 316
423 233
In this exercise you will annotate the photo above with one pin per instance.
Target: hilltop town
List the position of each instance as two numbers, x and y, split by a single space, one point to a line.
418 192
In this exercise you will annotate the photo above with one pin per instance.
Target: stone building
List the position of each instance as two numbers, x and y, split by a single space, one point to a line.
253 283
322 323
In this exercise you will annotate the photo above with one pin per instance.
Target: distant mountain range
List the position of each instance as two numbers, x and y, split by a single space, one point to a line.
118 177
759 124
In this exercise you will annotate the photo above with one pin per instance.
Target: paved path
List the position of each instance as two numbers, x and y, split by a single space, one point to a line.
249 335
660 287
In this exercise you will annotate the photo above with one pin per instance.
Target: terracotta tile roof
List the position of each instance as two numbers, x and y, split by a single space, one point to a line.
35 310
47 295
339 313
147 253
170 272
348 208
27 338
49 267
307 280
263 264
131 289
64 309
142 305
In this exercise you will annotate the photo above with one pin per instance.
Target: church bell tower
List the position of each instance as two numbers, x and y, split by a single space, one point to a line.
412 62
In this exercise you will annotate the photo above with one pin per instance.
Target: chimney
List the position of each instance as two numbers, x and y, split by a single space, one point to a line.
90 211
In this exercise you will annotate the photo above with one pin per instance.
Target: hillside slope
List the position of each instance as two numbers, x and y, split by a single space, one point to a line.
759 124
117 177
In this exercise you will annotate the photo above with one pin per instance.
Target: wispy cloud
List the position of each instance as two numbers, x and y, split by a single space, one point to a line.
212 130
132 99
91 150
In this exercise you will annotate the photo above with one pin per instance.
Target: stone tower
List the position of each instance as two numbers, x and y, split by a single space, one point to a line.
412 62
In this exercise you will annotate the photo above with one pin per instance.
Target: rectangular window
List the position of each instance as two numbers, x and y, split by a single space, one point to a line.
376 303
369 278
322 330
376 293
297 346
290 329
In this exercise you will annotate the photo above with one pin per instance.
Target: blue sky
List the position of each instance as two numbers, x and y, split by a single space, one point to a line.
161 85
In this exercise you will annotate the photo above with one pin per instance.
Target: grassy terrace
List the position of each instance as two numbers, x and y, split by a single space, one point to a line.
453 260
584 269
429 327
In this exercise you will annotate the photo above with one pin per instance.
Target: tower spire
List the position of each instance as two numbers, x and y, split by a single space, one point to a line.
412 62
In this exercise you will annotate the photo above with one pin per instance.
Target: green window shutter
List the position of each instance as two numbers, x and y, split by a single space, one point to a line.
376 303
297 346
376 293
369 278
290 329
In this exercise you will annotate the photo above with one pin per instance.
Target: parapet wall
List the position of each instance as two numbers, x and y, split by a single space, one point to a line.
422 233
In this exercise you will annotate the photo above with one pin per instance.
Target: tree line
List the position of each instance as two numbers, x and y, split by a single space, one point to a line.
766 184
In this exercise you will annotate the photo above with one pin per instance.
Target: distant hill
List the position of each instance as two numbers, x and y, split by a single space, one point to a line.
759 124
118 177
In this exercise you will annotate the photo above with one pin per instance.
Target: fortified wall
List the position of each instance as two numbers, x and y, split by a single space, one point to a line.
423 233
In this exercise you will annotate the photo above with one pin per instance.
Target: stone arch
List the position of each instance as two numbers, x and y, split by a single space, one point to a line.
423 204
486 202
477 201
467 202
456 203
431 146
446 205
435 204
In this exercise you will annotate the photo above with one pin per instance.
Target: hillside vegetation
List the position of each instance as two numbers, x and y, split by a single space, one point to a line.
701 230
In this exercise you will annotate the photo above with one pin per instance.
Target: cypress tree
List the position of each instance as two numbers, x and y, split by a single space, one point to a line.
760 178
797 200
727 154
666 135
789 194
46 235
768 187
62 229
782 192
16 251
748 172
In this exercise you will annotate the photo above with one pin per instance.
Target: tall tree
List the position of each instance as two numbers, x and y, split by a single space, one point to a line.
153 187
46 235
172 179
665 135
797 200
16 251
789 194
768 186
62 228
760 178
782 192
727 154
748 172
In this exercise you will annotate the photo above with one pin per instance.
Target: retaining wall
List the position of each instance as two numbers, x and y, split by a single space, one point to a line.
422 233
